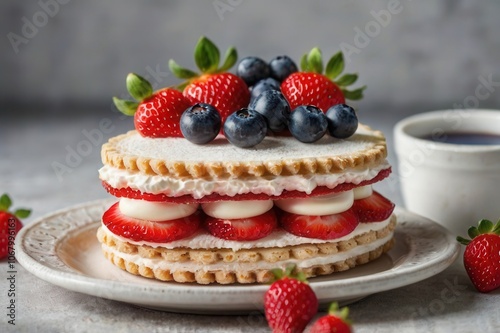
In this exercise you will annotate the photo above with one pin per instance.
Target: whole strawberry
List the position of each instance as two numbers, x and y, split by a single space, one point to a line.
156 114
482 255
335 321
289 303
311 87
9 224
215 86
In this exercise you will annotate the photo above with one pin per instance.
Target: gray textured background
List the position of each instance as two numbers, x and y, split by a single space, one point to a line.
428 55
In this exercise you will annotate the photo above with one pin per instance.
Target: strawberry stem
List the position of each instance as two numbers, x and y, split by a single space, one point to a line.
483 227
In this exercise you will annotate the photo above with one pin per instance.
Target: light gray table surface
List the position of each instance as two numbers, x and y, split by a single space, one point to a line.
446 302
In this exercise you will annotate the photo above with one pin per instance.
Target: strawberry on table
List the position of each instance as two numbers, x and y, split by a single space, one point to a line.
156 114
335 321
311 87
10 224
375 208
482 255
215 86
289 303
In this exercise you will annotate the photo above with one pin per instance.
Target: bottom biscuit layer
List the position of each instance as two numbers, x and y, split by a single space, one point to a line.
362 250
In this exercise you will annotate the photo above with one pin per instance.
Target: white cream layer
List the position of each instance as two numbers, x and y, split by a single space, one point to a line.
279 238
224 266
198 188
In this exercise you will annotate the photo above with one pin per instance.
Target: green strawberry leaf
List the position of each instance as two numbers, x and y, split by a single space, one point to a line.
128 108
304 66
22 213
180 72
315 61
473 232
347 79
335 66
5 202
485 226
138 87
496 228
230 59
206 56
354 95
463 241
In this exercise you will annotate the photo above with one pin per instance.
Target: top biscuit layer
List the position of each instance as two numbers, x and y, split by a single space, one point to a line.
272 157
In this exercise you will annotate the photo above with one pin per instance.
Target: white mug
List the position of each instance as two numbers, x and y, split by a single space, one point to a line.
453 184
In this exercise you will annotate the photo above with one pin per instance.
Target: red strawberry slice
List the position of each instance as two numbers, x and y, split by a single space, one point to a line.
149 231
320 227
127 192
375 208
244 229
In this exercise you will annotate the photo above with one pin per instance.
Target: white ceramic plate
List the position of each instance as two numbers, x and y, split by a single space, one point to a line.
62 249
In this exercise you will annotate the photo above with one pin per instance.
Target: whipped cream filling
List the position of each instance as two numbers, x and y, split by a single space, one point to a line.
362 192
198 188
155 211
224 266
278 238
236 209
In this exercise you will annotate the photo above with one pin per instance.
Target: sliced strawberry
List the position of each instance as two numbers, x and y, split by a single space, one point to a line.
320 227
375 208
127 192
245 229
149 231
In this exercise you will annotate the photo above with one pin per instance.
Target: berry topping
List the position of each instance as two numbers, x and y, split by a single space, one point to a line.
342 121
375 208
274 106
149 231
320 227
282 67
289 303
312 87
156 114
244 229
307 123
263 85
245 128
336 321
200 123
215 86
482 255
10 224
252 70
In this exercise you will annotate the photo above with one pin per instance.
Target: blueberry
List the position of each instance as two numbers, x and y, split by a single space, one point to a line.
307 123
263 85
281 67
200 123
342 121
252 70
245 128
274 106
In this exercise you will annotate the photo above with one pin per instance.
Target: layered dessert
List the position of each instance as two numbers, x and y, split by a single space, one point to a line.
221 182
